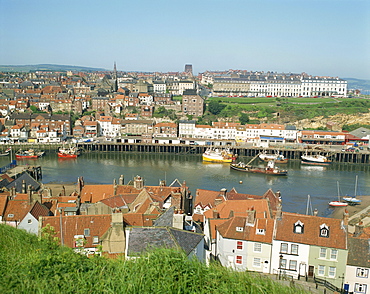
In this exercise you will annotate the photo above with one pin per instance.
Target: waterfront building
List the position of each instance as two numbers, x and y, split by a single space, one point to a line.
192 104
187 128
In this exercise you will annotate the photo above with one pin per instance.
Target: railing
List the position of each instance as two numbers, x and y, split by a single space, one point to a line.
327 285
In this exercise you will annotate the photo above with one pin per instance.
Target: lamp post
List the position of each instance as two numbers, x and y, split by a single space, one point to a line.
280 259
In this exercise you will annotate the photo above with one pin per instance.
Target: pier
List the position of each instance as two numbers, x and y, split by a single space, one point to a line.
337 156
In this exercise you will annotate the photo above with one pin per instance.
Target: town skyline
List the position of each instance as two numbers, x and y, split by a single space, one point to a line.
322 38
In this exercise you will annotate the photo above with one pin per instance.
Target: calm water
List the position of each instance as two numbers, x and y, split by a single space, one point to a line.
318 182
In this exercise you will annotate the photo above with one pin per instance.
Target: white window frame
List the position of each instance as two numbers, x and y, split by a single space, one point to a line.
322 253
283 245
257 262
332 271
360 288
293 265
295 251
334 254
257 247
321 270
362 272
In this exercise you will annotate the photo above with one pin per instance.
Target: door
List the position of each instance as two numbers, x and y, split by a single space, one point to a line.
311 269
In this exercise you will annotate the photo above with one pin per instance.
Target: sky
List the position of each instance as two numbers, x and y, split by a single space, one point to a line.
319 37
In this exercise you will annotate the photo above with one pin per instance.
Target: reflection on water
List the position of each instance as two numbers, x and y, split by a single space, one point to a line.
317 181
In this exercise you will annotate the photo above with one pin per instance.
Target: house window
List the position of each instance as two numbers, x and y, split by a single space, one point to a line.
239 259
334 254
96 240
324 231
283 263
239 245
256 262
10 215
293 265
322 252
284 248
332 271
321 270
362 272
298 227
257 247
360 288
29 221
239 229
86 232
260 231
294 249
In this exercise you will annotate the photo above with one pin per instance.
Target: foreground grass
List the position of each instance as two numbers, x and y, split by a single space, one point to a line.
29 265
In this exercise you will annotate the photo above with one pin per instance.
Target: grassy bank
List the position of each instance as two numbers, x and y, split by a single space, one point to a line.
30 265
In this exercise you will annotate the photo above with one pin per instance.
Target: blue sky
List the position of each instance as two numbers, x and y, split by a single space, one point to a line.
319 37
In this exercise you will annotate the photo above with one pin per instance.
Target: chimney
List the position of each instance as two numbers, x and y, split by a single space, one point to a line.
24 189
121 180
231 214
216 214
138 183
30 200
345 217
315 212
223 192
114 187
162 183
278 194
359 228
278 211
251 216
218 201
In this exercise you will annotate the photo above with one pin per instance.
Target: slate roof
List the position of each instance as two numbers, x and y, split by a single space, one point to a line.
358 252
39 210
166 219
17 183
142 239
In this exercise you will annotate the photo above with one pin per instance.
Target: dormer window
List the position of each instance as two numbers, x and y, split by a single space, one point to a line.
260 231
324 231
239 229
298 227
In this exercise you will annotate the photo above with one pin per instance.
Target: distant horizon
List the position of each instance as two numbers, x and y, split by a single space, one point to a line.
147 71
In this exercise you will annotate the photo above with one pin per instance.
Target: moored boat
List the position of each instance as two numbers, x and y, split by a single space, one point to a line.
338 203
315 159
218 155
6 152
270 169
71 152
352 200
28 154
278 158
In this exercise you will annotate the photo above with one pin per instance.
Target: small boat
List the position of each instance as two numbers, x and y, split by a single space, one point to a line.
270 169
6 152
218 155
278 158
338 203
315 159
28 154
350 199
71 152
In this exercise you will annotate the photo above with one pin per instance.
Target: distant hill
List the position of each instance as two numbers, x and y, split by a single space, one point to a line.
362 85
47 67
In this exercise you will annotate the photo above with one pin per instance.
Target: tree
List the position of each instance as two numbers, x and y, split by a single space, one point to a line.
215 107
243 118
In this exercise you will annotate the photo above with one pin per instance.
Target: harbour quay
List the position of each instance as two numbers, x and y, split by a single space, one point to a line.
336 153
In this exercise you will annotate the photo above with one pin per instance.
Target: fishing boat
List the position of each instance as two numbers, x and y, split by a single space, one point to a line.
352 200
28 154
278 158
70 152
6 152
338 203
315 159
218 155
270 169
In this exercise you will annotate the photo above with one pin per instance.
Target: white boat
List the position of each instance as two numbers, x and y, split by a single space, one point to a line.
350 199
338 203
218 155
315 159
278 158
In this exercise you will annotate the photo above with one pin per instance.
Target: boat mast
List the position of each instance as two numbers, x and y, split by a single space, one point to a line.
356 186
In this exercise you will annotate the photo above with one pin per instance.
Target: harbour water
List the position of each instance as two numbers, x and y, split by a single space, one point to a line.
317 181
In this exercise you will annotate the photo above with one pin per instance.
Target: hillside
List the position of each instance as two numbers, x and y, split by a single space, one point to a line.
30 265
46 67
